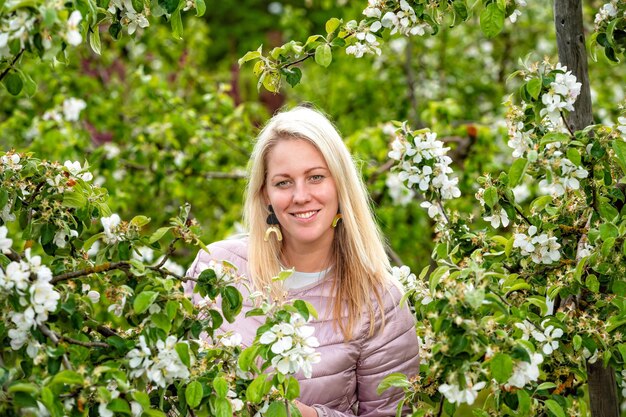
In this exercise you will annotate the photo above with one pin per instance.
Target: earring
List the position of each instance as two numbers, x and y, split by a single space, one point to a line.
336 220
273 223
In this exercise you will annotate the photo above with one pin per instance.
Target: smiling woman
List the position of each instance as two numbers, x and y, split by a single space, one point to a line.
305 188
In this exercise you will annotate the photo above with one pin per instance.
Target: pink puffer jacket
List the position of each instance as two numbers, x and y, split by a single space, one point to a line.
344 382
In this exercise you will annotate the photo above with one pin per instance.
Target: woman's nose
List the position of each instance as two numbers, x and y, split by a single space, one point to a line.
301 193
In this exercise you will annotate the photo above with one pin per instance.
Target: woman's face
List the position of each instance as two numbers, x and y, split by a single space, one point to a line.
303 194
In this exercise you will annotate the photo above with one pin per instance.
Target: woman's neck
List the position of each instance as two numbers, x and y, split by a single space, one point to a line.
306 259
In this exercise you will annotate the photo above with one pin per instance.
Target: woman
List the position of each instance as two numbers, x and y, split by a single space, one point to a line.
307 209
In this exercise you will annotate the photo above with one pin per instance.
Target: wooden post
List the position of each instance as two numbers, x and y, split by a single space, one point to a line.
568 19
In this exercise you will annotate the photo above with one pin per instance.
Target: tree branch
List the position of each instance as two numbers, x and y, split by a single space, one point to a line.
108 266
10 67
50 335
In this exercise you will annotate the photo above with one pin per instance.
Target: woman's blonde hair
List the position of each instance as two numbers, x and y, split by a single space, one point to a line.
361 267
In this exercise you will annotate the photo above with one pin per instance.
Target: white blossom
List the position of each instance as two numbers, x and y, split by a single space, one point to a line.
294 346
621 124
606 12
61 237
72 107
399 193
11 161
456 395
542 248
74 37
94 296
231 340
525 372
110 225
5 242
410 282
548 338
498 218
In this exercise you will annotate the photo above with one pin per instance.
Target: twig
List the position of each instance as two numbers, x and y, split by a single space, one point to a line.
225 175
108 266
50 334
10 67
13 255
518 211
443 212
84 344
382 169
394 256
287 407
170 251
569 129
439 413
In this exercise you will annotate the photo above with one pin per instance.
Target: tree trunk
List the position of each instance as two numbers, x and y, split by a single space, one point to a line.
570 38
568 19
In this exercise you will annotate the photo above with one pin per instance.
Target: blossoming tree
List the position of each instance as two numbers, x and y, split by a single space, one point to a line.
531 319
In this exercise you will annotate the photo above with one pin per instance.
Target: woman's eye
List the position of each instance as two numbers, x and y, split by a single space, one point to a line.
317 178
281 184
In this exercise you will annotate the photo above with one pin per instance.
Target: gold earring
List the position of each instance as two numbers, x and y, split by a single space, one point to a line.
336 220
273 224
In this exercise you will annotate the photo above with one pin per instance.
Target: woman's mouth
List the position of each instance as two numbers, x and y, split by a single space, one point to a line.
305 214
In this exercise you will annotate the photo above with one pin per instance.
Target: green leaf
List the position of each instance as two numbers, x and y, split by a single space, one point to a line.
200 8
501 366
523 402
395 379
220 386
156 236
144 300
224 409
247 357
293 388
492 20
257 389
140 221
177 25
592 283
574 155
533 87
516 173
554 137
169 5
24 387
74 199
608 230
161 321
250 55
619 147
312 39
171 308
540 203
546 385
332 24
68 377
292 75
277 409
461 9
491 196
13 82
577 342
30 86
555 408
193 394
119 405
323 55
182 349
94 40
302 308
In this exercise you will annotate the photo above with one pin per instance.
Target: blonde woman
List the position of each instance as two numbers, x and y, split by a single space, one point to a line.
307 208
